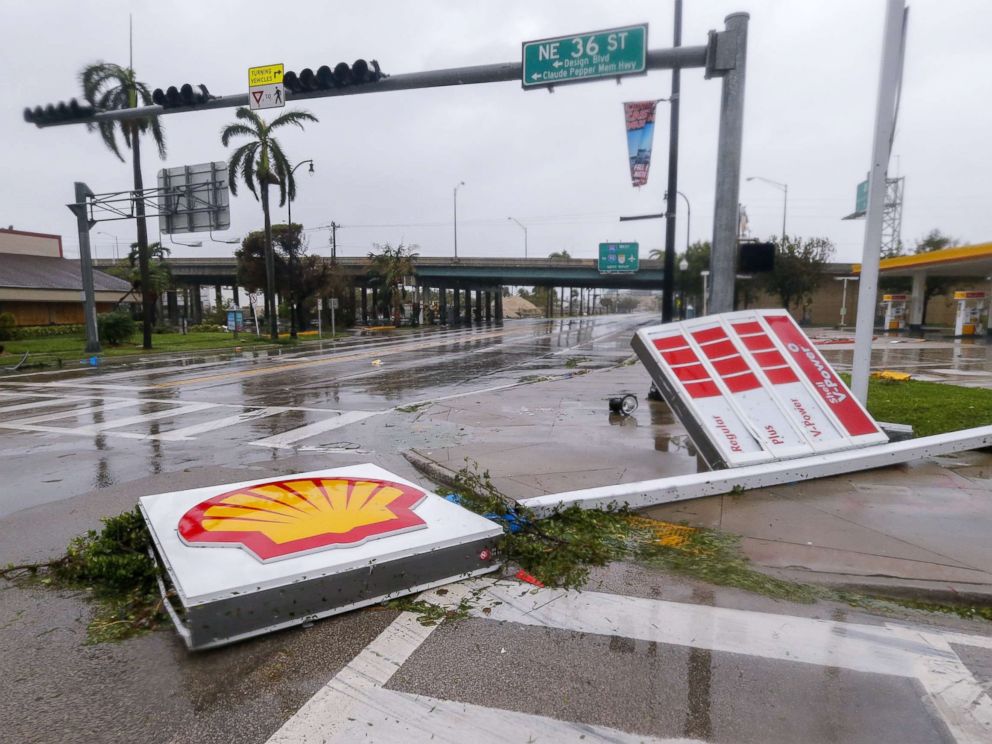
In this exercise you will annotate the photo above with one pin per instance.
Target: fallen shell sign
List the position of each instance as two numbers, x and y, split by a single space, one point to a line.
751 387
285 518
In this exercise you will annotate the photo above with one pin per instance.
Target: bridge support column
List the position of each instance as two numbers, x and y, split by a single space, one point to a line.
236 295
218 298
365 305
489 307
197 304
478 306
442 304
499 305
375 304
561 302
468 305
457 298
172 302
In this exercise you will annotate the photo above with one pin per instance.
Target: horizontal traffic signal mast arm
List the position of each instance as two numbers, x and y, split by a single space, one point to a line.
657 59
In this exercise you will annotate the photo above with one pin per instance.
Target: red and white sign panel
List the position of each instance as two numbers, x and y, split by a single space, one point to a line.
750 387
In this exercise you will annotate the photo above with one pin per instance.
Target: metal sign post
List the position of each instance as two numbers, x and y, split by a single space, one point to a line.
334 306
84 223
890 77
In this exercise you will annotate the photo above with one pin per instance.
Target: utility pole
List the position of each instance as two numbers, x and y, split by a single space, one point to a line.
668 286
334 240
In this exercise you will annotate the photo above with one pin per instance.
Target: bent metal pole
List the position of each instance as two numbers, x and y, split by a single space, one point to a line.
885 115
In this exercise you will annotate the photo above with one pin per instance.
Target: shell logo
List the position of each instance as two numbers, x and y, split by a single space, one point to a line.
286 518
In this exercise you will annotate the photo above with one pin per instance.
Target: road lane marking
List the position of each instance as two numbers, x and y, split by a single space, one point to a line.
190 432
354 705
143 418
288 438
964 706
101 407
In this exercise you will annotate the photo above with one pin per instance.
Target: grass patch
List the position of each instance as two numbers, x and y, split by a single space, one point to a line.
114 567
70 349
573 362
929 407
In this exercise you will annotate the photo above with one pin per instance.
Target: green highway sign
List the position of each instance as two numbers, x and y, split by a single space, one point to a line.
618 258
590 56
861 198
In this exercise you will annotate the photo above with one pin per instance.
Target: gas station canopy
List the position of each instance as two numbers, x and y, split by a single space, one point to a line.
967 260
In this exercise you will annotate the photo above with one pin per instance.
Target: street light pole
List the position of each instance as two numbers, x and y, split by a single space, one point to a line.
117 256
705 274
784 188
455 200
843 300
524 228
289 204
688 217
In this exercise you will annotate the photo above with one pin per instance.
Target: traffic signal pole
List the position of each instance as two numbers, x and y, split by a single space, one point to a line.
83 223
724 55
657 59
668 286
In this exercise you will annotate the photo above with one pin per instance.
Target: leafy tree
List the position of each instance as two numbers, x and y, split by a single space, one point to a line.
560 255
298 275
106 87
798 271
261 163
159 275
626 303
390 268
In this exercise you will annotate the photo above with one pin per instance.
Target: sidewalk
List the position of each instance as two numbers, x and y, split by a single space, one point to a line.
922 530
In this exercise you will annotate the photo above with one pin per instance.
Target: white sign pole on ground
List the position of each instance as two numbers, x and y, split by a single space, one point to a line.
893 47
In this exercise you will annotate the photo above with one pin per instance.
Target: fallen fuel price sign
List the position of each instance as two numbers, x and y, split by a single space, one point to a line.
750 387
577 58
249 558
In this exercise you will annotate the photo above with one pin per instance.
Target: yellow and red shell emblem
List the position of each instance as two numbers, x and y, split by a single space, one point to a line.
284 518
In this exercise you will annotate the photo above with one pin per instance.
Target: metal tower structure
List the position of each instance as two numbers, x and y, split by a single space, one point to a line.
892 217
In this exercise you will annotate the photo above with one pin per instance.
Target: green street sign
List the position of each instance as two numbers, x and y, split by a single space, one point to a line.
582 57
861 198
618 258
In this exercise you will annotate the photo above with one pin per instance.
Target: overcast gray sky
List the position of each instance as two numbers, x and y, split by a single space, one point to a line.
386 163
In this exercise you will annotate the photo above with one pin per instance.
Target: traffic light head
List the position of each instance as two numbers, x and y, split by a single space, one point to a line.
328 78
185 95
54 113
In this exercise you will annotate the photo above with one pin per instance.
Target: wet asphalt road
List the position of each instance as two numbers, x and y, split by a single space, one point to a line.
79 445
92 429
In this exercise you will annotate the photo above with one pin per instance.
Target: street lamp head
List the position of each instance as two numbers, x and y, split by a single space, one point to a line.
311 167
683 265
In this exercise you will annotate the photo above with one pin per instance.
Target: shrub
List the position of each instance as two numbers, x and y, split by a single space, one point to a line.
70 329
7 323
207 328
116 327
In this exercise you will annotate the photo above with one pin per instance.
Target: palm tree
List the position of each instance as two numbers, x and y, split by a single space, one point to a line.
108 86
262 160
391 266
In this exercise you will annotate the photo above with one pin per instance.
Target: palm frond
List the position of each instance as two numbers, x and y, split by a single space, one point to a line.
292 117
246 114
235 130
107 133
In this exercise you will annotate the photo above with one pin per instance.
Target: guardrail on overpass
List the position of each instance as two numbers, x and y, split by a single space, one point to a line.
465 273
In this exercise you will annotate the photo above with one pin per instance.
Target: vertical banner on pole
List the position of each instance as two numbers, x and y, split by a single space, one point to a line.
639 116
